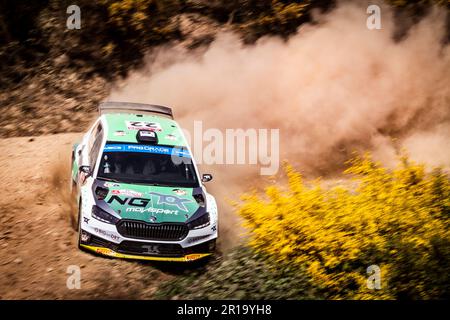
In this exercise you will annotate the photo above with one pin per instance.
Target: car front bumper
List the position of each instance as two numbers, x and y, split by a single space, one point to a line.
191 248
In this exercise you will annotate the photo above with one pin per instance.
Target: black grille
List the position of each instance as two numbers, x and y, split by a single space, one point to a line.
142 230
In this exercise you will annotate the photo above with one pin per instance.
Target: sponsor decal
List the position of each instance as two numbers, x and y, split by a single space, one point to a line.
86 220
194 256
119 133
142 203
106 234
171 137
153 210
146 149
113 147
179 192
105 251
141 125
195 239
171 200
151 249
126 192
136 202
112 253
109 185
214 228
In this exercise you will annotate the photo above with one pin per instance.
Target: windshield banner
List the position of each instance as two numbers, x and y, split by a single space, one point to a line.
180 152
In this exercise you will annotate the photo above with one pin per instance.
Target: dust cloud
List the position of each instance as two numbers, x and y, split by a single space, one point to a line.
59 173
333 88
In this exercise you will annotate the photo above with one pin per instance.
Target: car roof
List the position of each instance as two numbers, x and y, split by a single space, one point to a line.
123 127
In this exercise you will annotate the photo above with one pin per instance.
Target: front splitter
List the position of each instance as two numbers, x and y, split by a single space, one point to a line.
111 253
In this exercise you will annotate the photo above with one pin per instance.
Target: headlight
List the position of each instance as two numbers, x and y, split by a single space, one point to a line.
201 222
103 216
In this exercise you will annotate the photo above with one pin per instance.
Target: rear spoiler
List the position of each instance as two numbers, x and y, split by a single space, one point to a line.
129 106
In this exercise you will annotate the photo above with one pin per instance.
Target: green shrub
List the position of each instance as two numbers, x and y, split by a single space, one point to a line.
241 274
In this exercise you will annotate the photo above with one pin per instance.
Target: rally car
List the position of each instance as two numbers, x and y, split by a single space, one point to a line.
138 189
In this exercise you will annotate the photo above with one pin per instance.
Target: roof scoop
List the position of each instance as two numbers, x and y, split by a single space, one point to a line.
147 136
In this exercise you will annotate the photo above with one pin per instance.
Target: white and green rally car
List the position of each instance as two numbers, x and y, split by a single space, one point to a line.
138 189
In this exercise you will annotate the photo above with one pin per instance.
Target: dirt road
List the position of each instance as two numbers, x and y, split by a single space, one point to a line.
37 241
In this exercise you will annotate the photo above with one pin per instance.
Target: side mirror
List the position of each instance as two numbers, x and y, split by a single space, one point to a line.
207 177
84 173
86 170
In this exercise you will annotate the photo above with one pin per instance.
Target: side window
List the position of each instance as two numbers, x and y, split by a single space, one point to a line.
95 146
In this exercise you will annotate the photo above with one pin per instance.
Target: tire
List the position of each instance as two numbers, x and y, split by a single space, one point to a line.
79 226
214 246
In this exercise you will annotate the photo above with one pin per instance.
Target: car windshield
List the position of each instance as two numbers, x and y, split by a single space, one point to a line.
144 164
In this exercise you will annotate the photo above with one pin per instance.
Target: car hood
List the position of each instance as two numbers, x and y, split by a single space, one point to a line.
153 204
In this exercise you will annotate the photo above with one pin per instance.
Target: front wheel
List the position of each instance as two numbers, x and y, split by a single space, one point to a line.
213 246
79 226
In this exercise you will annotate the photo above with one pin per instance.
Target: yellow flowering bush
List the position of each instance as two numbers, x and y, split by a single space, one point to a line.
395 219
